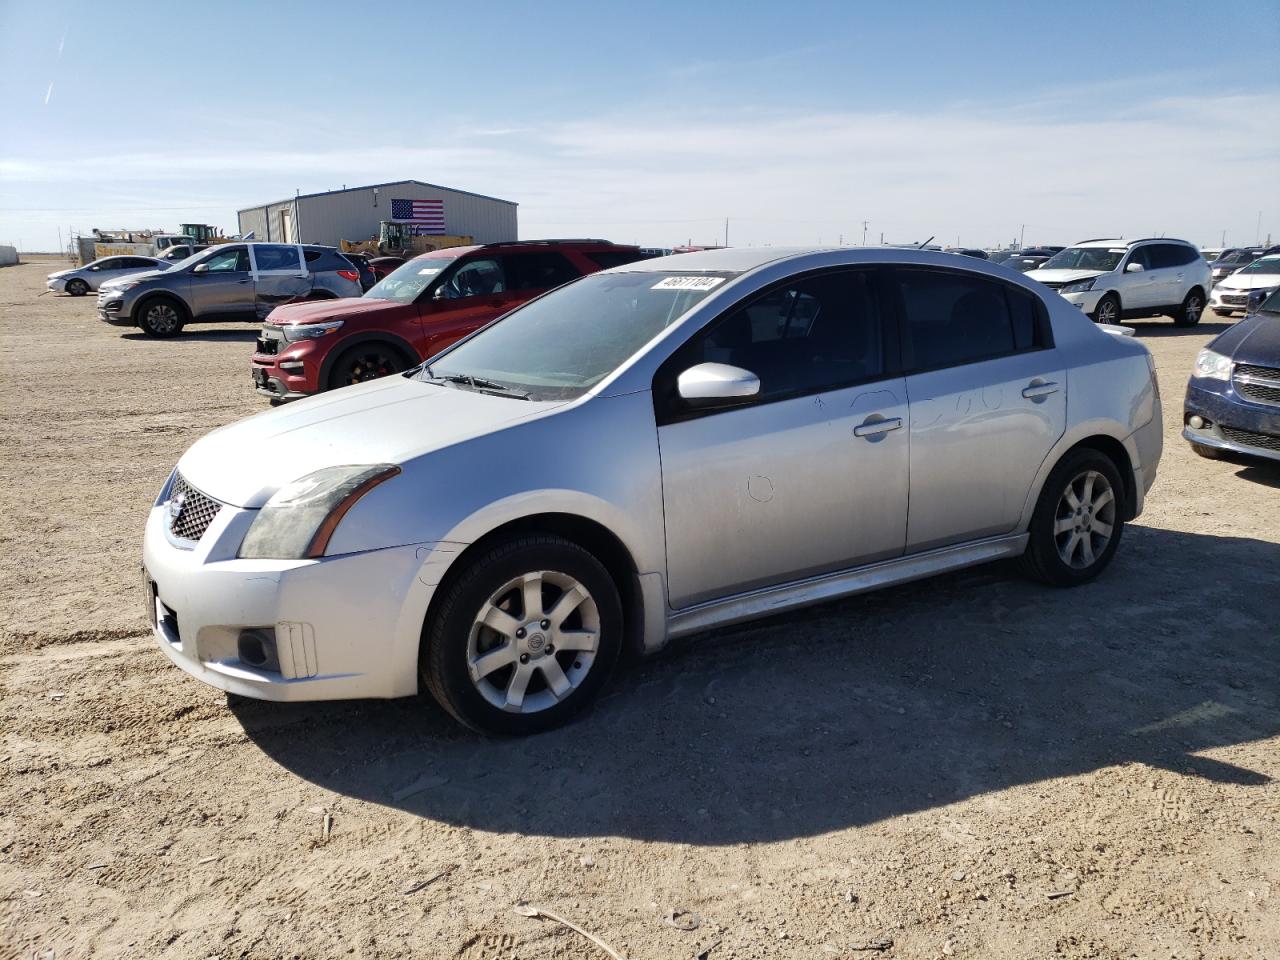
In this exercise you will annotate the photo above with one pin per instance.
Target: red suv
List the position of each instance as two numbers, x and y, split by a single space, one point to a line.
415 312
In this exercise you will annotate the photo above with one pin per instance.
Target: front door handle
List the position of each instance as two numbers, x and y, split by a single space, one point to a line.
242 281
876 428
1039 389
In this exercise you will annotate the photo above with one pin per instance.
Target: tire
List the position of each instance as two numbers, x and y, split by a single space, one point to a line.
161 317
1107 310
1060 532
1221 313
1209 453
364 362
517 694
77 287
1192 309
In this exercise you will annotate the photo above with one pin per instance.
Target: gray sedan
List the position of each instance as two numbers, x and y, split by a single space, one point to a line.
91 276
646 453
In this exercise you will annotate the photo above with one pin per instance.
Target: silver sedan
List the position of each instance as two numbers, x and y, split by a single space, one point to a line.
91 276
646 453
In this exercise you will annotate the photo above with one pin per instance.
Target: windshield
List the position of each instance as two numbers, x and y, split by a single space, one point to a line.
1271 304
1264 265
406 282
1236 257
1085 258
559 346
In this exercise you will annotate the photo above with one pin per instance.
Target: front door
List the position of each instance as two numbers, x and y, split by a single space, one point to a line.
224 289
988 395
472 293
1138 287
811 475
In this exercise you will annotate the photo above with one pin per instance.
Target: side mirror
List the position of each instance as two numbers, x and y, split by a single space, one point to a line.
1134 268
200 268
716 384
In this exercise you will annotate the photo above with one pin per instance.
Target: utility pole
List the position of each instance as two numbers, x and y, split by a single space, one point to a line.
1224 238
882 238
726 231
1257 237
1022 237
841 240
864 233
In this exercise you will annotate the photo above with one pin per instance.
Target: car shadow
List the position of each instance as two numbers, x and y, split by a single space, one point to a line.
1165 327
852 712
189 335
1264 472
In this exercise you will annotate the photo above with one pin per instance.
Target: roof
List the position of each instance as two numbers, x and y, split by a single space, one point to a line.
1117 242
739 260
376 186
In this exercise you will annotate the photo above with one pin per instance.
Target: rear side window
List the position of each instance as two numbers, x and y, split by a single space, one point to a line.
951 319
276 258
604 259
538 271
1161 255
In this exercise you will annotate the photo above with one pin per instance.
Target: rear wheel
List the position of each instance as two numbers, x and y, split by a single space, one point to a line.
366 361
1078 520
1192 307
77 287
1107 310
161 317
524 638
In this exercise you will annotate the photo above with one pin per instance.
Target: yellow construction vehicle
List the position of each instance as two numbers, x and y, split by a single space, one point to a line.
397 239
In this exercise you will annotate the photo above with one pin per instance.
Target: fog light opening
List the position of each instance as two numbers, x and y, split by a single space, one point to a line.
1197 423
257 648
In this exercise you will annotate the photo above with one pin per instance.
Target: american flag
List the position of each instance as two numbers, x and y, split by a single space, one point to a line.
426 215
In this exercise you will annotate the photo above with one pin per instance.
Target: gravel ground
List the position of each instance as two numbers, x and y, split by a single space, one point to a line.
970 767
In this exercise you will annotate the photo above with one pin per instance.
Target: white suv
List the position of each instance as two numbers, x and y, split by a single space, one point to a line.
1111 279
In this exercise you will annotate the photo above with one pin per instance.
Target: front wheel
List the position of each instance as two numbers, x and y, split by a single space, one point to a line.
77 287
524 638
1192 307
1078 520
364 362
1107 310
161 318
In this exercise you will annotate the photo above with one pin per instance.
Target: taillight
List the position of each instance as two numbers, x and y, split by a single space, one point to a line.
349 275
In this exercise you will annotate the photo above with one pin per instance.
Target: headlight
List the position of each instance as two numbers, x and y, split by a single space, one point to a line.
124 285
1213 365
298 522
1080 286
309 331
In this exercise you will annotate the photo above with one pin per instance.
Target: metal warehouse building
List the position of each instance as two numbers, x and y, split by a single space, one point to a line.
355 213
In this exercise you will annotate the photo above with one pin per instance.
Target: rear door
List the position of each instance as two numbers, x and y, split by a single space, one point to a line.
1165 273
530 273
280 276
988 398
224 288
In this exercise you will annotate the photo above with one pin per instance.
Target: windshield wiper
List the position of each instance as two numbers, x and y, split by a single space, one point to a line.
479 384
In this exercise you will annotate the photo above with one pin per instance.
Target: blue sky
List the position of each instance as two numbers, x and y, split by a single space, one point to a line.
654 122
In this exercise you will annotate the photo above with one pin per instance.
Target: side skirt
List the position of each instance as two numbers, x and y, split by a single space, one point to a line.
832 586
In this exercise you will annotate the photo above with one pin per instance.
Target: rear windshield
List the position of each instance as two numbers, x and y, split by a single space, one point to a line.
559 346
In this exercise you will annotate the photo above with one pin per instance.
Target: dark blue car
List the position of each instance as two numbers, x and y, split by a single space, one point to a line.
1233 397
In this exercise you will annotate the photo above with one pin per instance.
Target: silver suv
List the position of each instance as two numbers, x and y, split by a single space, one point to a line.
1112 280
236 282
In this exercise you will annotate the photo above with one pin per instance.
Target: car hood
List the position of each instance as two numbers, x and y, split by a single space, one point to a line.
61 273
1260 343
1249 281
314 311
391 420
134 277
1061 276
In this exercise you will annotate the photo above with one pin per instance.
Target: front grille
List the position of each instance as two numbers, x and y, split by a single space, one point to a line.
268 346
1248 438
1257 383
1235 299
194 510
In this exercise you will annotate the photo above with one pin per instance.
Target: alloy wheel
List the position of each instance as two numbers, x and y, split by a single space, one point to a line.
1195 307
1085 519
162 318
533 642
370 366
1107 311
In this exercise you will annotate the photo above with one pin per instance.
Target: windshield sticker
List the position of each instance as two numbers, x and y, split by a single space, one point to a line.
429 271
1121 250
687 283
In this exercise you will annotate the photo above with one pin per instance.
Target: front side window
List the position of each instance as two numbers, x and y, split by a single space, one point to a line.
229 261
1142 257
481 277
817 334
1104 259
560 345
952 319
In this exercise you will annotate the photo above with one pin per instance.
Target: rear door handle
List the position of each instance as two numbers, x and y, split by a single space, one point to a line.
876 428
1038 391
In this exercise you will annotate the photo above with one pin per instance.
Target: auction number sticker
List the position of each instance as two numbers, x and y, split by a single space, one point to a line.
688 283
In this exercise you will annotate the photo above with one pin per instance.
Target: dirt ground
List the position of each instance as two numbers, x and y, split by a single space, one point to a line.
970 767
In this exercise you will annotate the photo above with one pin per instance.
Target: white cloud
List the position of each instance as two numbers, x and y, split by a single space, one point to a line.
1186 167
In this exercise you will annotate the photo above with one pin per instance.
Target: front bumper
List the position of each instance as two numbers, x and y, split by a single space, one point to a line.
1233 422
112 308
57 286
1086 300
344 627
1229 301
290 374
